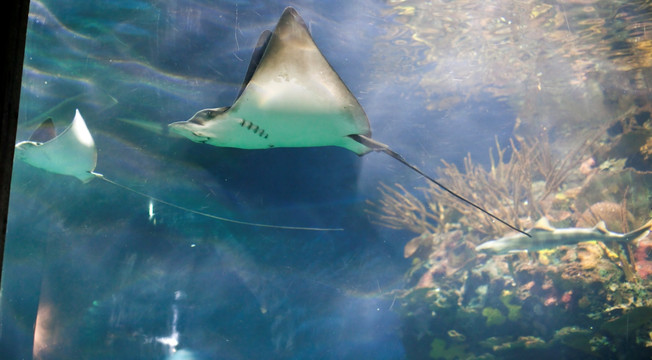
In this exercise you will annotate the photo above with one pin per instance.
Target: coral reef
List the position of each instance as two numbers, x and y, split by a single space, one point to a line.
517 190
579 299
616 217
494 316
591 300
439 350
563 66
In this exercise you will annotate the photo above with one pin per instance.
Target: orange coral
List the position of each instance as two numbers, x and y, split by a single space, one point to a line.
611 213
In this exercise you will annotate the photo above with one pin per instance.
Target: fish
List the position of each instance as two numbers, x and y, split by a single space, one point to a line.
545 236
292 97
73 153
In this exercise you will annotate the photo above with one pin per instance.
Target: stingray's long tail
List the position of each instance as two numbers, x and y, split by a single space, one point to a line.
100 176
380 147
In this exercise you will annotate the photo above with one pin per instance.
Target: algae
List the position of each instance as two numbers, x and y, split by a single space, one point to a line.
438 350
629 321
494 316
514 311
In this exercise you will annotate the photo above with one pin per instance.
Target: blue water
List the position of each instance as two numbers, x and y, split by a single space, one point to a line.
103 273
106 276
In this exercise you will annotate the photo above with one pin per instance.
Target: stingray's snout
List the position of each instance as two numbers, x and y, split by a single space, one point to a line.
178 127
189 130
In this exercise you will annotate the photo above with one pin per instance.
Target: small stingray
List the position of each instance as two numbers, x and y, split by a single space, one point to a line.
292 97
73 153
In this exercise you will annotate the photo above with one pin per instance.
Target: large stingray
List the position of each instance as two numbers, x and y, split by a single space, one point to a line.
292 97
73 153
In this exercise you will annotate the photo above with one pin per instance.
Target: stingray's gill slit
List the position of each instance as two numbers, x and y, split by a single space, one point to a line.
292 92
73 153
253 127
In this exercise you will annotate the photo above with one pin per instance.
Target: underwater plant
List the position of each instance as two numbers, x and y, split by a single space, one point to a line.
577 298
518 189
577 76
494 316
439 350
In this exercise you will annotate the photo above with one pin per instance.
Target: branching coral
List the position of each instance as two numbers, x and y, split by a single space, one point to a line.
403 210
514 189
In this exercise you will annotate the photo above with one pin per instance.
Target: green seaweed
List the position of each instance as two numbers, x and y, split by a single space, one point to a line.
523 342
494 316
514 311
629 321
438 350
576 338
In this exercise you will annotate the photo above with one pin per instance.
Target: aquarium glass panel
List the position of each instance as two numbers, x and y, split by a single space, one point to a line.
198 179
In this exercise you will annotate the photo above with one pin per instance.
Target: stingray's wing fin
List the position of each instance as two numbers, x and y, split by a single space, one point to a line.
259 50
72 152
291 55
291 97
45 132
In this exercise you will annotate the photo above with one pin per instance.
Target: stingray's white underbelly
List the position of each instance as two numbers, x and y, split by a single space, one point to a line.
287 115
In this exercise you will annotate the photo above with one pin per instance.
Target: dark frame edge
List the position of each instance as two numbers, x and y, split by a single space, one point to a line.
13 22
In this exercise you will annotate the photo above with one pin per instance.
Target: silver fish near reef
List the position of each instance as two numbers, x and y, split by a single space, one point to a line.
545 236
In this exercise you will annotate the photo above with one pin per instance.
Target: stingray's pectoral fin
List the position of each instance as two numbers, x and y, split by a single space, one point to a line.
257 55
72 152
374 145
45 132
